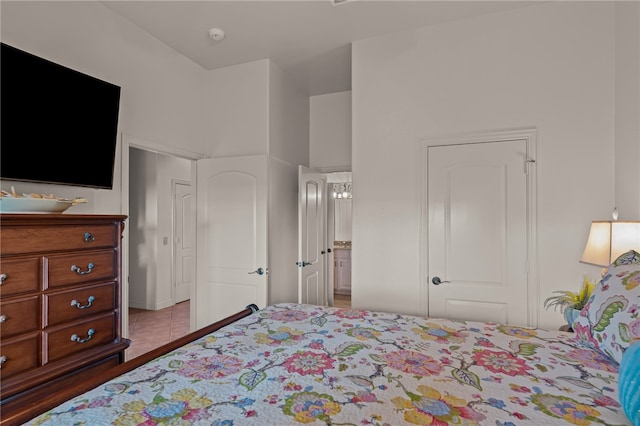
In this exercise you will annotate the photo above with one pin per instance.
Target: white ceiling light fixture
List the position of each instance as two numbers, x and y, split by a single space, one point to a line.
216 34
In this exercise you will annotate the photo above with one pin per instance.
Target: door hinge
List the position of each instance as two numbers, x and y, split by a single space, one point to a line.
528 161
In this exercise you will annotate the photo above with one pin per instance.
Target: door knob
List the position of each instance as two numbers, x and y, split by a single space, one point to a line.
260 271
303 264
438 281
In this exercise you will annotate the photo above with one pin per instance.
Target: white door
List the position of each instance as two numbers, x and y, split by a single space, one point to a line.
311 242
231 236
477 231
183 242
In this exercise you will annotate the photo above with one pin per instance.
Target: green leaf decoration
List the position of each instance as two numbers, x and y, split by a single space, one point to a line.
176 364
542 368
319 321
524 348
625 336
454 348
363 381
577 382
466 377
159 399
607 311
342 367
252 378
349 349
378 358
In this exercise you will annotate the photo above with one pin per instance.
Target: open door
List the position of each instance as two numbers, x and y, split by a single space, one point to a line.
312 288
231 236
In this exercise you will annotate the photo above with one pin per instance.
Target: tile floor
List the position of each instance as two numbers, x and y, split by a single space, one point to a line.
151 329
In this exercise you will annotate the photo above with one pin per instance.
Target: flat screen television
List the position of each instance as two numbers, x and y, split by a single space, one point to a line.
57 125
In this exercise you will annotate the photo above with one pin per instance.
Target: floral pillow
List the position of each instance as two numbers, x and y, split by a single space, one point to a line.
610 321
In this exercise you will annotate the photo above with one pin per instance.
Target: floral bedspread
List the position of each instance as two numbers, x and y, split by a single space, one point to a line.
303 364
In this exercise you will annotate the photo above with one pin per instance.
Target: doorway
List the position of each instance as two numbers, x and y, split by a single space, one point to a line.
156 189
339 237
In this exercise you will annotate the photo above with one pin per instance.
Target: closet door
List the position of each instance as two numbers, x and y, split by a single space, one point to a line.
478 247
231 236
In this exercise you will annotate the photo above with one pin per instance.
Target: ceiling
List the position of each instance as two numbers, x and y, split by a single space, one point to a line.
308 39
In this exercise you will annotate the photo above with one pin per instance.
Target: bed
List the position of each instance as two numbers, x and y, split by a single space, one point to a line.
307 364
289 364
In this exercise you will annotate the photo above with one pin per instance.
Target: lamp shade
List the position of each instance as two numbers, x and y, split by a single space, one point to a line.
608 240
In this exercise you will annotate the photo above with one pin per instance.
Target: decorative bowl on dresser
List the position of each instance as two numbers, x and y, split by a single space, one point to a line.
60 306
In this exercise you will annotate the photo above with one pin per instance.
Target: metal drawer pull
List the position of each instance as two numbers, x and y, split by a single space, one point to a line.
3 359
76 338
77 304
3 278
78 271
88 237
3 319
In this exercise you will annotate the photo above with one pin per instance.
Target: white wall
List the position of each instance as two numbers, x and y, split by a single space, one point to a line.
288 119
627 171
283 232
550 65
288 148
330 131
162 97
238 112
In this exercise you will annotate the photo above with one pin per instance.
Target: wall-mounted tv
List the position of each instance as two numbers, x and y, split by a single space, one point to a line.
57 125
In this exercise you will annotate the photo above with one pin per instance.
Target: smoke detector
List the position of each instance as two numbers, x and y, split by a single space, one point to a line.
216 34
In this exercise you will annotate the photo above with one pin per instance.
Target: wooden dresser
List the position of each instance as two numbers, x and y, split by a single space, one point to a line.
60 306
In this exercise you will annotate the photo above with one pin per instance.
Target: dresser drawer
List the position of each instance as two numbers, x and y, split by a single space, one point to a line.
80 303
19 275
35 239
60 343
19 316
82 267
18 355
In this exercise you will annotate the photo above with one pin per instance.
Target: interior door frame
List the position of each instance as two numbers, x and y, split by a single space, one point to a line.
530 136
329 269
127 142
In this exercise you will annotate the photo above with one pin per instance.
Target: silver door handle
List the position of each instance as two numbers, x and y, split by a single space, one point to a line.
303 264
260 271
438 281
